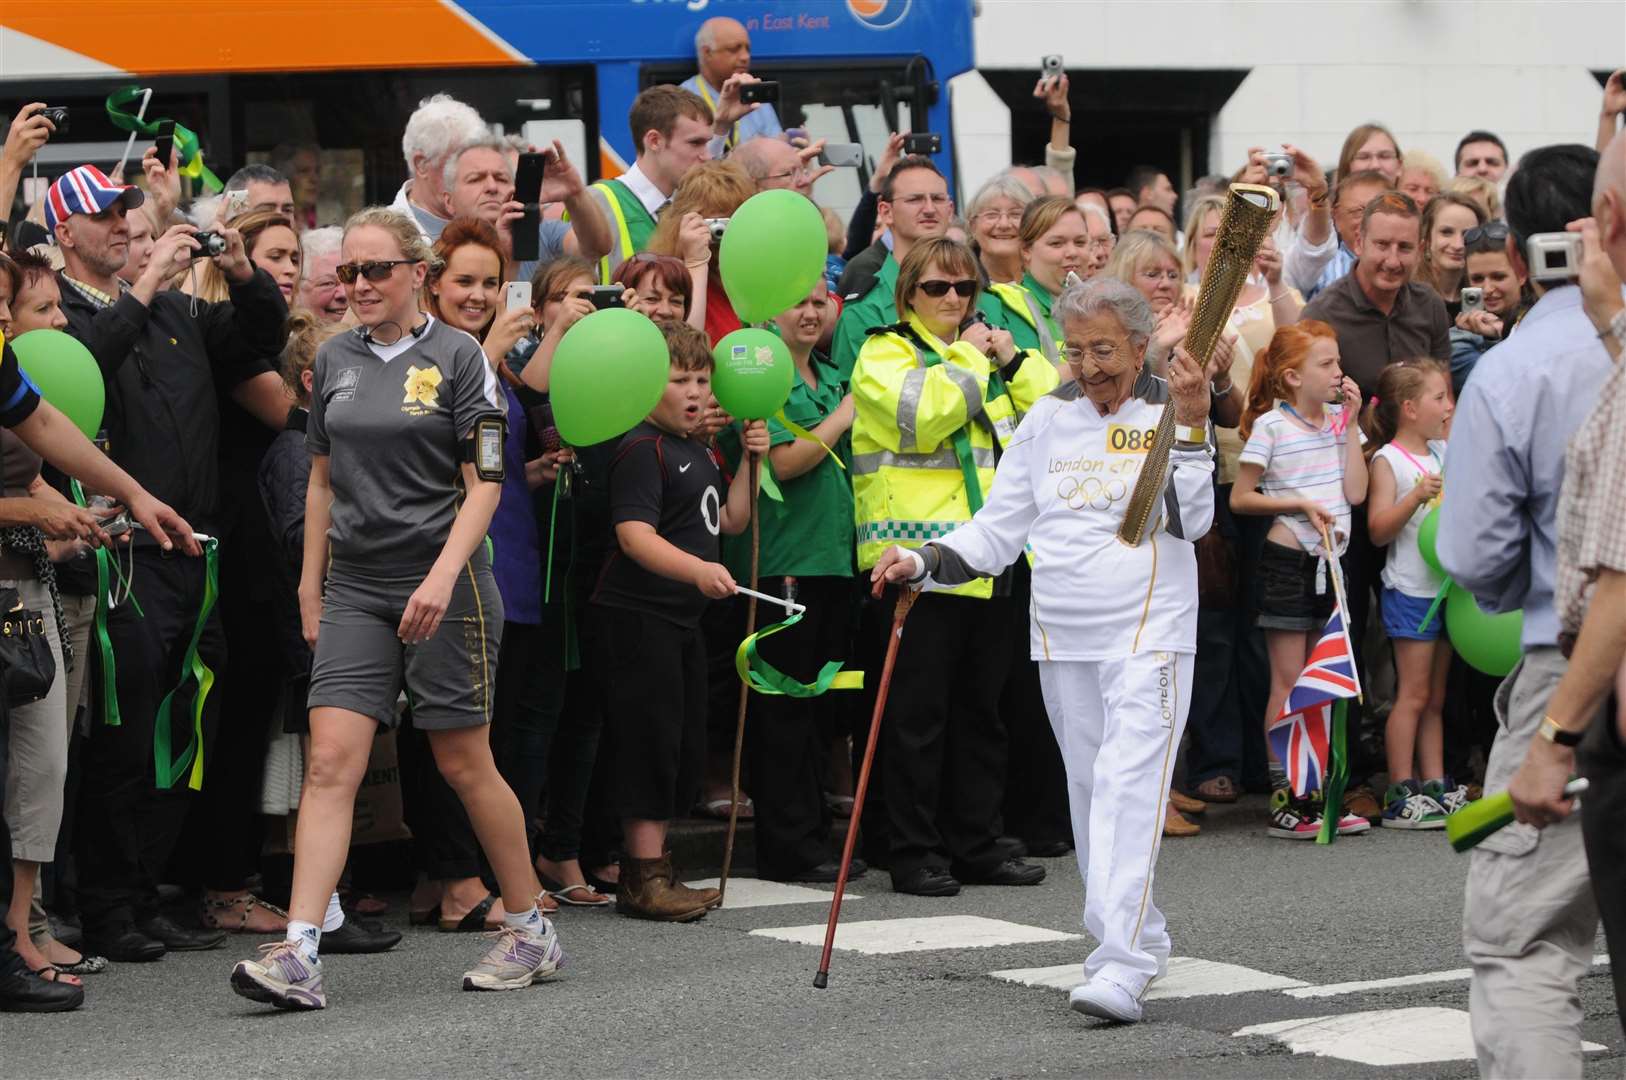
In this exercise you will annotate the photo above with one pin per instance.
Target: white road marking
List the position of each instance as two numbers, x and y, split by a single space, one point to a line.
1381 1036
886 936
1186 977
754 892
1421 979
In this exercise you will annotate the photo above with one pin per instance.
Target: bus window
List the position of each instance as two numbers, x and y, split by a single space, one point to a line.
852 103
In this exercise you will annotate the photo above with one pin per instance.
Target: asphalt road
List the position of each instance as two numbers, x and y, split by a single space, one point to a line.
714 999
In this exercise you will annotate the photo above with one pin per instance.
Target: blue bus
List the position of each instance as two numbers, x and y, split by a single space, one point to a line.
256 75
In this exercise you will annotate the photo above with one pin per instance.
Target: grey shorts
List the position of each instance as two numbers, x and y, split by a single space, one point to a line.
361 665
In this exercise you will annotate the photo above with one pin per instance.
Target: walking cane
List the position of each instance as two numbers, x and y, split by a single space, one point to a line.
755 465
906 600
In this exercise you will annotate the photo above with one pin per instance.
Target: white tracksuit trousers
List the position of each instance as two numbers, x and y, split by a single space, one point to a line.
1118 723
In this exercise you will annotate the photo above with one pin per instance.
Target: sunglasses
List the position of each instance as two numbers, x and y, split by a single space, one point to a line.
372 271
939 289
1494 232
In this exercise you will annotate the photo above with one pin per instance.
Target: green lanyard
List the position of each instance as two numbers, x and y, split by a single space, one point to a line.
961 439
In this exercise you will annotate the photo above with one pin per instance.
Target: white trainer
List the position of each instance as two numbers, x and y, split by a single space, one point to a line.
1105 999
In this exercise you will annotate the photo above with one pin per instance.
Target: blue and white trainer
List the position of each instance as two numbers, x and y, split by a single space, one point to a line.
518 958
283 977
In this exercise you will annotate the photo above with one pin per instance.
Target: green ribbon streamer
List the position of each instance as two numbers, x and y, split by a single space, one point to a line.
770 483
167 766
1439 598
104 644
802 433
1332 807
121 115
553 519
764 678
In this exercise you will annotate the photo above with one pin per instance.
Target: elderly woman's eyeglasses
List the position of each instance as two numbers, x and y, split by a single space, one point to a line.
376 270
938 289
1102 352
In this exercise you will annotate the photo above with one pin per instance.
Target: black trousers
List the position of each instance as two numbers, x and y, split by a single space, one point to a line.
945 741
1602 760
788 738
1036 807
224 833
127 828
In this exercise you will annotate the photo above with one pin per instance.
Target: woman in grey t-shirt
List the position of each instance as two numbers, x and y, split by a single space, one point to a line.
405 433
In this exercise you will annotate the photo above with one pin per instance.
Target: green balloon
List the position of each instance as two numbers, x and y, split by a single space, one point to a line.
1489 643
1427 537
609 371
66 374
773 254
752 374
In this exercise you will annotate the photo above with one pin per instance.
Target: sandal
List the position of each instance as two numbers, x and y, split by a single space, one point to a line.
52 973
424 917
87 965
474 921
1217 789
581 896
599 884
211 914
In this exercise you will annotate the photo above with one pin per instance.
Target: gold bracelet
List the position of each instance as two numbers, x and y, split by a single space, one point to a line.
1279 296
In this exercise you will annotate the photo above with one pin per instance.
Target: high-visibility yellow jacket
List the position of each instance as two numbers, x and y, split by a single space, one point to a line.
929 419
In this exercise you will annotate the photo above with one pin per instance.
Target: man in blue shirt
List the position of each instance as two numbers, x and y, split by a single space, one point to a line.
722 51
1530 919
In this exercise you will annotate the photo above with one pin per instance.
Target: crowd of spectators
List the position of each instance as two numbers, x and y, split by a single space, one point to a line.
1385 287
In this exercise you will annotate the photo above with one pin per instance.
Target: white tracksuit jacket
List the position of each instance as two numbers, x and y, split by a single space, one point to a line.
1062 489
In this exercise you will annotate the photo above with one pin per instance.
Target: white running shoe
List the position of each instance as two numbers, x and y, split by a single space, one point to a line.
517 959
1107 1000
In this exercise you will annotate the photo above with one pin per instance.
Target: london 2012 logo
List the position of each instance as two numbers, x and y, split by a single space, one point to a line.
879 14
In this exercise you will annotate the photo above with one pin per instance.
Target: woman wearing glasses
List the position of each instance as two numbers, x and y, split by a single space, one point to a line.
406 435
1113 626
996 227
1053 241
1505 287
1371 147
938 396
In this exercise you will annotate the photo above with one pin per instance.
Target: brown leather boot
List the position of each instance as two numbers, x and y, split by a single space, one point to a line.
648 892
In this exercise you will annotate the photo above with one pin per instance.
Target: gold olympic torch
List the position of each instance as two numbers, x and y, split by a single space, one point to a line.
1248 213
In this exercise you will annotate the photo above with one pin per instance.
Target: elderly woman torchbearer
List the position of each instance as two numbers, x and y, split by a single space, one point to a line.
1113 626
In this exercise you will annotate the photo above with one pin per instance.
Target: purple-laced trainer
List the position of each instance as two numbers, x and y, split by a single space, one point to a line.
281 977
517 959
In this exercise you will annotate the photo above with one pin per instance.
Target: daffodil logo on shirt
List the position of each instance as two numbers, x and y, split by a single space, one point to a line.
422 389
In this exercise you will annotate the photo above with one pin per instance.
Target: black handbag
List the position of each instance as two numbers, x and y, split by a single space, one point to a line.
26 663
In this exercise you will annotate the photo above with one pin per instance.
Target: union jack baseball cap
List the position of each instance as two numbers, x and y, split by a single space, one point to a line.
86 190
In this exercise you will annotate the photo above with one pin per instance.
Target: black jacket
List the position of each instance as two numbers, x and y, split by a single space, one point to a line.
285 475
161 364
862 270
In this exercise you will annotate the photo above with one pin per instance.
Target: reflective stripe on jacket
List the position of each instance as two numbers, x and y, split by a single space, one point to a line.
912 395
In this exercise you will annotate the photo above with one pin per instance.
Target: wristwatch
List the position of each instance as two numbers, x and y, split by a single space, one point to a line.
1556 733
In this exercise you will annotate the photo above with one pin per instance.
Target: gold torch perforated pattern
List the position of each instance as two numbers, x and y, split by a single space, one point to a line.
1242 229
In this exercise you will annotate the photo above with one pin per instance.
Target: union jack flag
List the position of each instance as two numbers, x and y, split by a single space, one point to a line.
1301 736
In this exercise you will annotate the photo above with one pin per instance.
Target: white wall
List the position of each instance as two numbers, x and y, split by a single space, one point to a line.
1431 70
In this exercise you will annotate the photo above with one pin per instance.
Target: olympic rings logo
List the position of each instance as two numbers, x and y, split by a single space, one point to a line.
1090 493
